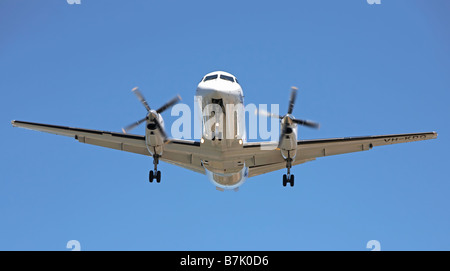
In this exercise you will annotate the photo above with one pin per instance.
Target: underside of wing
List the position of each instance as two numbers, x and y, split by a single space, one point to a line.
309 149
260 157
264 157
183 153
266 168
118 141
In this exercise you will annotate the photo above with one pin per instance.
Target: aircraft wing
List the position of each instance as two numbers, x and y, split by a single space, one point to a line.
261 157
176 151
264 157
262 161
118 141
183 153
326 147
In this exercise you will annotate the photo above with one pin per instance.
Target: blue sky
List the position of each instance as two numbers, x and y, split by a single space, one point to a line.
361 69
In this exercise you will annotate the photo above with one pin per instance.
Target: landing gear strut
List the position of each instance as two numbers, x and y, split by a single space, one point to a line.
155 174
288 178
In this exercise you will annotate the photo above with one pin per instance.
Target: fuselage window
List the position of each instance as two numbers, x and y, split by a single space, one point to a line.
211 77
228 78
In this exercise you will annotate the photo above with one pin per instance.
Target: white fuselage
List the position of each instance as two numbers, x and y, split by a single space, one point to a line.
220 99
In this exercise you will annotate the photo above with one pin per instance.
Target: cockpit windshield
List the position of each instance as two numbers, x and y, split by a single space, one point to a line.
221 76
228 78
210 77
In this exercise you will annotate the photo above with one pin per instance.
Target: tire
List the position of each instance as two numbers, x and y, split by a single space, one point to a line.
150 176
158 176
291 180
284 179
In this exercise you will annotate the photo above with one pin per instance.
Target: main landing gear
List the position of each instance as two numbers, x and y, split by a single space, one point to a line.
288 178
155 174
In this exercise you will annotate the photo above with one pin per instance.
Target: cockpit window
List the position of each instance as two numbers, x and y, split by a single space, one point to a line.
210 77
228 78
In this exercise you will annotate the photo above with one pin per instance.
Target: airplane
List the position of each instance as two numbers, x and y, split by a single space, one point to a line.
229 161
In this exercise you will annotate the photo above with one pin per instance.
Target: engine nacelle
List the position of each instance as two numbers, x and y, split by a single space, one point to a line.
288 142
154 137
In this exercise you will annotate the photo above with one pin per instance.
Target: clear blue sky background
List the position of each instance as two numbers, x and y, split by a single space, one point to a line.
362 70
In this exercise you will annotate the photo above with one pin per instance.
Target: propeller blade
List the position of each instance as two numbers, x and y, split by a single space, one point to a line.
267 114
169 104
161 129
133 125
292 99
280 140
307 123
141 98
151 115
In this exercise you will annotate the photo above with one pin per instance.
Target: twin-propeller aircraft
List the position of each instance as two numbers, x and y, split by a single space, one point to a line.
227 161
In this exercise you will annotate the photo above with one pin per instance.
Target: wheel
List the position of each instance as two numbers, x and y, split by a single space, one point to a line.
150 176
291 180
284 179
158 176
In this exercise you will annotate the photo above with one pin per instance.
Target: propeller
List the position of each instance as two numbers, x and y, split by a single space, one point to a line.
288 118
152 115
